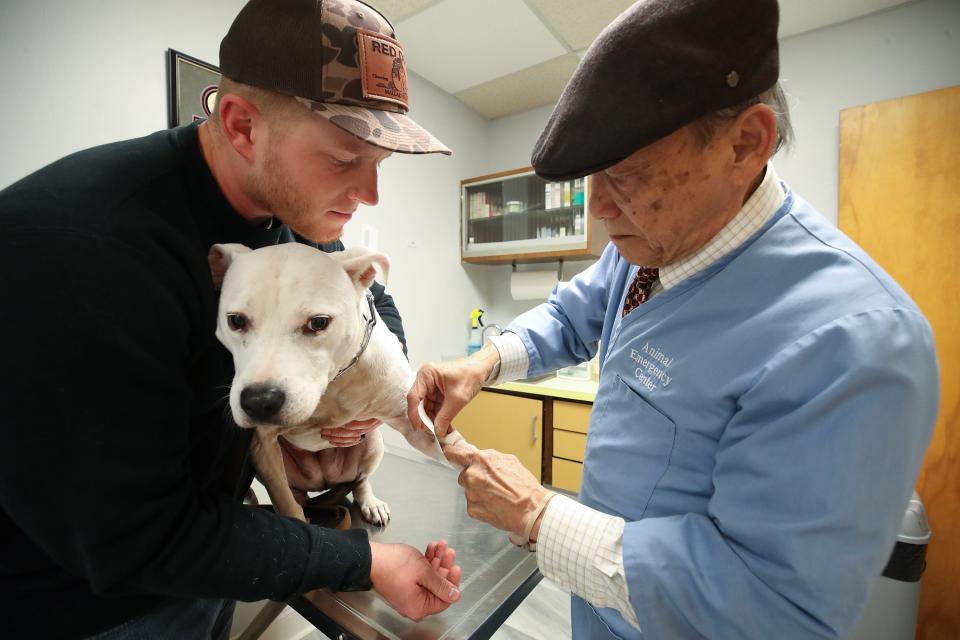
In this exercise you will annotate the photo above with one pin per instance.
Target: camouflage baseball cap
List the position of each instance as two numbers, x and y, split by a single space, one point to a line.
338 57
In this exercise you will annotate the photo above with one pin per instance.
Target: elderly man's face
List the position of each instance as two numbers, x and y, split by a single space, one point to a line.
667 200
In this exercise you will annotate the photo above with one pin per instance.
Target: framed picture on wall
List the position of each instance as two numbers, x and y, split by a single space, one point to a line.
191 88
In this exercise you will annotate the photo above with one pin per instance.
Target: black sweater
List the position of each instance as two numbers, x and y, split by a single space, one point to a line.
120 476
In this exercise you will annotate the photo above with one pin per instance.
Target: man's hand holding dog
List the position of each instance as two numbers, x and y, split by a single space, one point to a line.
416 585
350 434
446 388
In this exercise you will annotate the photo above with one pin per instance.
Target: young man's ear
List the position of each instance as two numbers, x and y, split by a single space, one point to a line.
237 120
754 137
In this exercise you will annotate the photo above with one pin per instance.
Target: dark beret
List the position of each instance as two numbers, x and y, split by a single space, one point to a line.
660 65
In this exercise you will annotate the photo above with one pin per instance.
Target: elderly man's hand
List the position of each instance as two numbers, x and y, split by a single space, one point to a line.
446 388
500 490
415 585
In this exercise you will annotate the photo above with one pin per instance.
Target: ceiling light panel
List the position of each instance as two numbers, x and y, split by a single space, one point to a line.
579 22
397 10
457 44
534 87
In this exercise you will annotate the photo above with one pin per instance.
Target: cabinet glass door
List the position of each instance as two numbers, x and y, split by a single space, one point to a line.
523 213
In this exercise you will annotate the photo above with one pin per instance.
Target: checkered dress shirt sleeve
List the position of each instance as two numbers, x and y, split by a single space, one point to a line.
581 549
514 360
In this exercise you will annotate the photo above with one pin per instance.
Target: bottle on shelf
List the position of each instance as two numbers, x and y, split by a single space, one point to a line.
578 196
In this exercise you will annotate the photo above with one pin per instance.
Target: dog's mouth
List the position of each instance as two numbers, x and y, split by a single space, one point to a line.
246 421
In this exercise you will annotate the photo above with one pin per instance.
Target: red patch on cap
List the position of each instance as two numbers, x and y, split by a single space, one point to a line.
383 71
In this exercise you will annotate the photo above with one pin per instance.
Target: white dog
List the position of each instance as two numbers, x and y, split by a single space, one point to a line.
310 351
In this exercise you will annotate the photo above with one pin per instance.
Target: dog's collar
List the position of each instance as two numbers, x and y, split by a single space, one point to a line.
371 322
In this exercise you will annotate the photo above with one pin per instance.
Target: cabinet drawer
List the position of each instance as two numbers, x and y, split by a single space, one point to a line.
571 416
566 475
569 444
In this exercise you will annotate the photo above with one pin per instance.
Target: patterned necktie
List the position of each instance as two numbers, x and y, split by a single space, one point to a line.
640 288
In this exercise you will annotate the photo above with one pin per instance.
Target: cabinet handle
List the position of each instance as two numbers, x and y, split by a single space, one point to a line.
533 429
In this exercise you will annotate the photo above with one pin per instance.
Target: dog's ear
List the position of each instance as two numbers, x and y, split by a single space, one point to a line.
359 263
219 259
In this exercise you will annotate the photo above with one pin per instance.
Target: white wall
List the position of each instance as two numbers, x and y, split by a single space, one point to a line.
84 72
899 52
895 53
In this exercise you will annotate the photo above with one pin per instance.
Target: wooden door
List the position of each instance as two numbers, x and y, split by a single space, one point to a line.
510 424
900 200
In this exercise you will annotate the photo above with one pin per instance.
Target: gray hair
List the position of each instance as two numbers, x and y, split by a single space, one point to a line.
774 97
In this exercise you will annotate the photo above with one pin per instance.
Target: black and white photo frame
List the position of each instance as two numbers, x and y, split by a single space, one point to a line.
192 88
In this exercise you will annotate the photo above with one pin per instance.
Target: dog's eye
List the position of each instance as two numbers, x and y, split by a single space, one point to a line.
237 321
316 324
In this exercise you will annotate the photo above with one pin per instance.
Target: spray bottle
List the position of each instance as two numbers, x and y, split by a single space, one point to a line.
476 341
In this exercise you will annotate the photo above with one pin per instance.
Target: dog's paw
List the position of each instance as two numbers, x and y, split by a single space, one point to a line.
375 511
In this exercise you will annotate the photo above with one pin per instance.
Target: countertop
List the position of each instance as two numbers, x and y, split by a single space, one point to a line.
426 504
554 387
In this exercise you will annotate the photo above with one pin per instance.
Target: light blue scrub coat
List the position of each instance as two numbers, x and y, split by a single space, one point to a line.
759 426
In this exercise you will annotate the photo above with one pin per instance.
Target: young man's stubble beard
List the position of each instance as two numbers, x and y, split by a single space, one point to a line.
272 189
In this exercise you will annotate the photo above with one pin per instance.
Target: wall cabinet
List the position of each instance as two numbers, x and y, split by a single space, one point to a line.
547 434
516 216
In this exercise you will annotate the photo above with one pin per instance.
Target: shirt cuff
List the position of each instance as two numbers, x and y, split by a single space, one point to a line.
514 360
581 549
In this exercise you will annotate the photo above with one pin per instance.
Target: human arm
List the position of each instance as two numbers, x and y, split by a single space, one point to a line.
562 331
98 467
810 481
578 548
416 585
387 309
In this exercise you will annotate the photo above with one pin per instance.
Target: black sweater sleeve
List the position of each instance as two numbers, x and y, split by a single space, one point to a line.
96 463
388 312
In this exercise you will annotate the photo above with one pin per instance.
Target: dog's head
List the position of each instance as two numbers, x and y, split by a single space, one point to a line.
291 317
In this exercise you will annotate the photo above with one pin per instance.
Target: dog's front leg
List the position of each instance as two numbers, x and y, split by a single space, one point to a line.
426 441
374 510
268 461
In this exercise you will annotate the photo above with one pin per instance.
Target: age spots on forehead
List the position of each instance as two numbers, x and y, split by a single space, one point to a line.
683 178
657 204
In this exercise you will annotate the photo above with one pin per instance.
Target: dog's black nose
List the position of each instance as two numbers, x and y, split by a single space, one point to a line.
262 401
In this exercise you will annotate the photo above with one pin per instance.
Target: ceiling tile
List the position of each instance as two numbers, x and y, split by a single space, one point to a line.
457 44
533 87
798 16
576 21
397 10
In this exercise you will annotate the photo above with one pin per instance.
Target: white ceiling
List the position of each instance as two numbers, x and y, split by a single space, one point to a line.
505 56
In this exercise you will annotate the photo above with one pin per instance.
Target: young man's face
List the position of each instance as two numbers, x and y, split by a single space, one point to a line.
666 200
313 175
